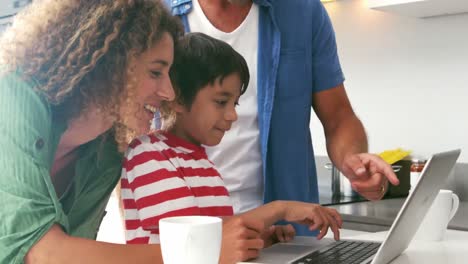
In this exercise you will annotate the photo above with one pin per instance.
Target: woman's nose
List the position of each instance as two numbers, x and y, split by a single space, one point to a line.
166 91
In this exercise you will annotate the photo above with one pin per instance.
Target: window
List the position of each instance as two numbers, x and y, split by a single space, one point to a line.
8 9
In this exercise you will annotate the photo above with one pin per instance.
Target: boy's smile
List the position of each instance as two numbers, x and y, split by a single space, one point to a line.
211 113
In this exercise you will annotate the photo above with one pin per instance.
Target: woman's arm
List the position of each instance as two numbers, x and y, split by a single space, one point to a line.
58 247
240 242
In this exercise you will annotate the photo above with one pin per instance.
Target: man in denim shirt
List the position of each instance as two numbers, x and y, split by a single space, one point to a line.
290 48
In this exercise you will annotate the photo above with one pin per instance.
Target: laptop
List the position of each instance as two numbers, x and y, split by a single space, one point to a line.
397 240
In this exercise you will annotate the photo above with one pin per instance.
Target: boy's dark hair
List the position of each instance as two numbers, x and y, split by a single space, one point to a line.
200 60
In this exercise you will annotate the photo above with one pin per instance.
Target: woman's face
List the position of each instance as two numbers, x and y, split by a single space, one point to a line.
151 73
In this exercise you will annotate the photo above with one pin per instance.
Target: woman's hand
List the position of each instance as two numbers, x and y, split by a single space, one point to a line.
278 233
241 239
315 216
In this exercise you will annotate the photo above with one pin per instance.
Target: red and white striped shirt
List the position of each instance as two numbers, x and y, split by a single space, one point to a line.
164 176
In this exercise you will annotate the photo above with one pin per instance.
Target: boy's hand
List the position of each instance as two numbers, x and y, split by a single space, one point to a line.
315 216
278 233
241 239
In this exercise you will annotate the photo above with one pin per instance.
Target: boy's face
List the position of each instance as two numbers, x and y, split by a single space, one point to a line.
212 113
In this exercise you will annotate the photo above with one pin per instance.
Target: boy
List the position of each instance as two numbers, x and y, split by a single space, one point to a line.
168 173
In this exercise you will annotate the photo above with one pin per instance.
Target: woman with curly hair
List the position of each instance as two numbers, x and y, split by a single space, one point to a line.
77 78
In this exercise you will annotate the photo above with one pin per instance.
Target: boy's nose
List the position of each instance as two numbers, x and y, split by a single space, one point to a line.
231 115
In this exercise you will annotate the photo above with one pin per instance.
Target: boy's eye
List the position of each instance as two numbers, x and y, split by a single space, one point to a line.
221 102
236 103
156 73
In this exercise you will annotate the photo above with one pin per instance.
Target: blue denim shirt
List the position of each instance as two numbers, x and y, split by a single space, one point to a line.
297 57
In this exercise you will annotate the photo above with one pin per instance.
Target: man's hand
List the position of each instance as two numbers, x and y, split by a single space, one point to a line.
369 175
241 239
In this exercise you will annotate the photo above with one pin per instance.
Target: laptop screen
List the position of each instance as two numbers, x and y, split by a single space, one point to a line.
416 206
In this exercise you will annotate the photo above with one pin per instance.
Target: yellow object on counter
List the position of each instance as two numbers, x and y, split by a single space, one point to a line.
392 156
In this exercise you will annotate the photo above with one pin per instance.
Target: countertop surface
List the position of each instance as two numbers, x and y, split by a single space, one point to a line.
383 213
326 198
450 250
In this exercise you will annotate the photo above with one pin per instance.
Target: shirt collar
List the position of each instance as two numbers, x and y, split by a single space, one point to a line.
262 2
183 7
175 141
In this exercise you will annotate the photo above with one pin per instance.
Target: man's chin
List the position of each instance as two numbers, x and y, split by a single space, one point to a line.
240 2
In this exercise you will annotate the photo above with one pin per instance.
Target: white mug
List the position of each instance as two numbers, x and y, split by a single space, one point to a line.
437 218
190 239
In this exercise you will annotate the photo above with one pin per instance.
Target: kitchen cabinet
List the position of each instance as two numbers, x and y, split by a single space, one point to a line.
420 8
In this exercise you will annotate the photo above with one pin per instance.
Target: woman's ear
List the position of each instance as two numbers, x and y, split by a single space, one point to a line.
132 59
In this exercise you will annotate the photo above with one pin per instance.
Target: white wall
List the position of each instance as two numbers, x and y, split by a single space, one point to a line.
112 228
407 78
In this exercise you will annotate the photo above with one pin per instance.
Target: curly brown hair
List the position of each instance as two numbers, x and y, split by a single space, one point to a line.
78 51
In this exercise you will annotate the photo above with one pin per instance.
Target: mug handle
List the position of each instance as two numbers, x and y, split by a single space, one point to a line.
455 204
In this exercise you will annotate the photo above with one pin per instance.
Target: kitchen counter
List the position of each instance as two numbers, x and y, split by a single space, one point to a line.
326 198
450 250
378 216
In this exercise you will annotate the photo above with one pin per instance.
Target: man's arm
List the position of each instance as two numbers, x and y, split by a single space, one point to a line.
347 144
58 247
344 132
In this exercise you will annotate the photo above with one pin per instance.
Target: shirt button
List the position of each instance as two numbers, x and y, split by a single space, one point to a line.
187 6
174 2
39 143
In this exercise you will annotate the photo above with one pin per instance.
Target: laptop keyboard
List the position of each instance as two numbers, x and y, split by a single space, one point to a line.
342 252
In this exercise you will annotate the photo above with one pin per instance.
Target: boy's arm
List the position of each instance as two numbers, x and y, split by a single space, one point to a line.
58 247
312 215
269 213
